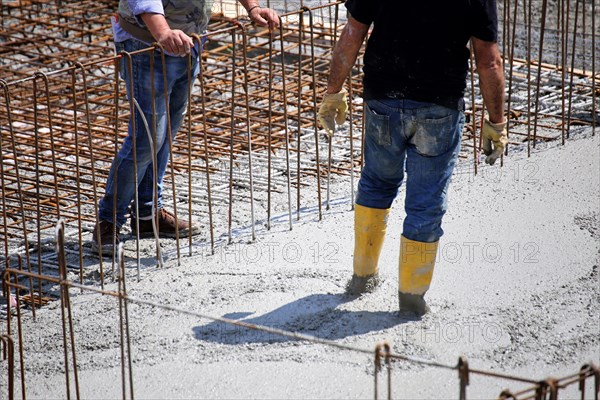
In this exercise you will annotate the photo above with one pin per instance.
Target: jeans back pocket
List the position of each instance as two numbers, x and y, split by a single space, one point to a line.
434 135
378 125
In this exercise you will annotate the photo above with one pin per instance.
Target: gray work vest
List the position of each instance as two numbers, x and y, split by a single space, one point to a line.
190 16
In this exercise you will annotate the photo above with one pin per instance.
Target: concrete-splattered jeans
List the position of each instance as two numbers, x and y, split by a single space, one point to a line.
425 138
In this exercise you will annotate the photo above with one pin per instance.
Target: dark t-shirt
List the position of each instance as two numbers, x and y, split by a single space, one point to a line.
418 49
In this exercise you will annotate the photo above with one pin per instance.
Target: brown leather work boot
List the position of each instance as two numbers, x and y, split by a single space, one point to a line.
109 237
166 226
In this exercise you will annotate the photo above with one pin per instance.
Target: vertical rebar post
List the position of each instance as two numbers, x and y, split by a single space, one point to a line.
66 304
198 40
133 129
572 70
270 129
473 114
539 70
77 170
249 128
351 133
563 61
463 377
60 250
299 138
190 83
378 352
8 349
38 206
3 191
511 57
287 142
171 163
527 9
594 33
315 110
232 134
125 340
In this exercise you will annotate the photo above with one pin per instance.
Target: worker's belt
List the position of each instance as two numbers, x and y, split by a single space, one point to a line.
137 32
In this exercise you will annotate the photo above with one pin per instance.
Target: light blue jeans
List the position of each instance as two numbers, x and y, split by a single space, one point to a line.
121 180
424 138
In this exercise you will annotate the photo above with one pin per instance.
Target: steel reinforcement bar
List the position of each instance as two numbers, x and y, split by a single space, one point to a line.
383 355
250 141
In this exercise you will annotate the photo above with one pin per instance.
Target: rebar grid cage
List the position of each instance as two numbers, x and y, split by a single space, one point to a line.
250 139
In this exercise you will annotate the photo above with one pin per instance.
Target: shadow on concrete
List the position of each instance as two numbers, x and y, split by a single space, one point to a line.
315 315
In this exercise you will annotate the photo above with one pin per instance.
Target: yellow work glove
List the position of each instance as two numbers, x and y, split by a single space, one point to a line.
493 134
333 108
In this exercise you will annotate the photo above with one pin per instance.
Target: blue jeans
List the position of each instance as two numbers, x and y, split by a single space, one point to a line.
121 180
425 138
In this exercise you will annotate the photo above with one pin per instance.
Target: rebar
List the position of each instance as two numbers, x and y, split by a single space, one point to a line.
64 109
539 389
61 172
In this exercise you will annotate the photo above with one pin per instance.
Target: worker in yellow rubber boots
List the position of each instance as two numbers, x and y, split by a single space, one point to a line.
415 68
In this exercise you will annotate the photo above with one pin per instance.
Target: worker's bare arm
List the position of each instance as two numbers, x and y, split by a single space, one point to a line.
491 77
345 53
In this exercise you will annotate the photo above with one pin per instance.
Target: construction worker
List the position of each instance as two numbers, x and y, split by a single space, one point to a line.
137 25
415 69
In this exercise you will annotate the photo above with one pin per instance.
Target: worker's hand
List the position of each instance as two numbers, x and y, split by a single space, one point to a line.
175 42
495 139
333 110
264 17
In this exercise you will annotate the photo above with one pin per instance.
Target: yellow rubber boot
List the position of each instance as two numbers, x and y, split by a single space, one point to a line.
417 260
369 232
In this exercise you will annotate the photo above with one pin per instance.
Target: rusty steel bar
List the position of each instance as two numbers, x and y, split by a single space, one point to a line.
304 50
573 46
66 319
377 361
232 127
155 216
299 121
564 30
388 362
351 133
2 189
476 150
248 129
8 350
198 40
77 172
190 84
170 139
288 171
270 130
133 129
382 350
18 184
125 341
594 32
539 70
510 70
316 129
463 377
528 20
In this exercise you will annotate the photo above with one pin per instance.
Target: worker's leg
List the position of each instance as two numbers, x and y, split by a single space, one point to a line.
434 143
121 181
177 90
380 179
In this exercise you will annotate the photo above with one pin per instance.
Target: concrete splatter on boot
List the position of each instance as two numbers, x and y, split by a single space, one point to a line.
417 260
369 232
414 304
362 284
